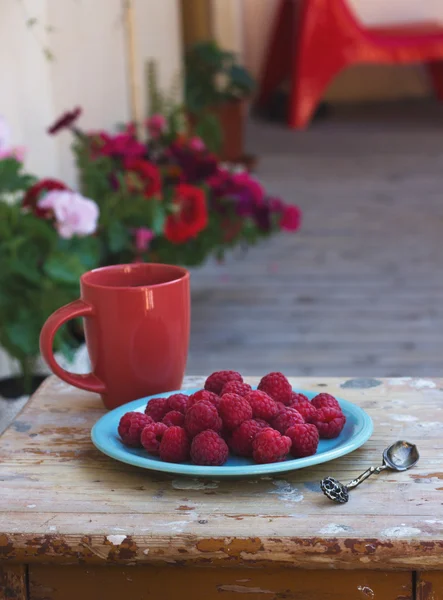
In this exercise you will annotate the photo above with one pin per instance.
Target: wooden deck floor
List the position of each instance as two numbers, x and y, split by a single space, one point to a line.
360 290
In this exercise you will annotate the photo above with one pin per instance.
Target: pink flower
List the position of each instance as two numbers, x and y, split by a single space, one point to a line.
18 153
142 238
156 125
244 181
291 218
196 144
6 150
74 214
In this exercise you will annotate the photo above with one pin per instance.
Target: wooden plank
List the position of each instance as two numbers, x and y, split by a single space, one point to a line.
63 501
13 582
429 586
90 583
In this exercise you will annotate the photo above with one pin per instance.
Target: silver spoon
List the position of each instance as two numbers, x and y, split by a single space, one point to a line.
398 457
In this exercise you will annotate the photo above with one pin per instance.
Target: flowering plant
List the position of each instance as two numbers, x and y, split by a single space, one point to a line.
214 76
168 198
46 243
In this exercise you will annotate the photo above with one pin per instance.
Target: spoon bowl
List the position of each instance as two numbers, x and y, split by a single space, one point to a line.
401 456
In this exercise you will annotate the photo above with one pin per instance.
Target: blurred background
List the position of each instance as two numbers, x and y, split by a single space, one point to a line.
358 290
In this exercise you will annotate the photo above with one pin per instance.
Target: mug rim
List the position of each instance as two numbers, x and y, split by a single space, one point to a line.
182 275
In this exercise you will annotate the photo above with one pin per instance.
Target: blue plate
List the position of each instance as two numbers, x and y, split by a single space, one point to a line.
357 430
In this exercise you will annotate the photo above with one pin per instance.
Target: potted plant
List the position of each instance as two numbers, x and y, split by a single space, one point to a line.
216 87
166 197
46 243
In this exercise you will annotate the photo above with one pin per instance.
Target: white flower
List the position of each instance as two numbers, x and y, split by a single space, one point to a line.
74 214
221 82
12 197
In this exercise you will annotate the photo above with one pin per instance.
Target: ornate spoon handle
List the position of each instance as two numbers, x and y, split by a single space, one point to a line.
371 471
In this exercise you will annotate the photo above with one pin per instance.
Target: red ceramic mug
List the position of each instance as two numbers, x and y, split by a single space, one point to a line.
137 322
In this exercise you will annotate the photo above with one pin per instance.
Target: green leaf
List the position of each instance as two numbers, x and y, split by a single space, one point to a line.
24 333
118 236
86 248
64 268
27 270
241 78
158 219
209 129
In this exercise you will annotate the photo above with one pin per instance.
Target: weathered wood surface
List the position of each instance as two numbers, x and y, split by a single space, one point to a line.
13 582
360 288
91 583
63 501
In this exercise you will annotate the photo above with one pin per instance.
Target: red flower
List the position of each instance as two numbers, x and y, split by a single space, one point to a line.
147 176
122 145
66 120
190 215
291 218
35 192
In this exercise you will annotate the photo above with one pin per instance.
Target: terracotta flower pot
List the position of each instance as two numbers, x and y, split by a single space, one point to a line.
232 121
231 116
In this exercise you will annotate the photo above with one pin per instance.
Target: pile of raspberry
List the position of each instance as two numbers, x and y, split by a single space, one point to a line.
269 424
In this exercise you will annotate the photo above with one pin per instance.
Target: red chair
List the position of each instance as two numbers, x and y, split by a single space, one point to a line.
313 40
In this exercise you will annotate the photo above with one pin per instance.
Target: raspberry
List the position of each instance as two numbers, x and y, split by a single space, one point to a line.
236 387
323 400
225 433
157 408
178 402
286 418
200 417
130 427
234 410
174 417
152 436
280 406
217 380
203 395
208 448
301 403
277 386
304 438
242 437
174 446
263 407
270 446
329 421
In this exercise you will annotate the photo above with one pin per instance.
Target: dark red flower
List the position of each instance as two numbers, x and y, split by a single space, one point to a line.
66 120
35 192
145 176
190 214
122 145
195 166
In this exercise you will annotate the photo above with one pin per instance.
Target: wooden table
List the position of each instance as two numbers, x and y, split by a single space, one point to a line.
67 511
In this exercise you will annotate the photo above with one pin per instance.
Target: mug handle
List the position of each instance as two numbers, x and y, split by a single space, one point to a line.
78 308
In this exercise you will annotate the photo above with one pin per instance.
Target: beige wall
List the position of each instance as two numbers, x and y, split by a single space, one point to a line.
89 68
368 82
228 26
